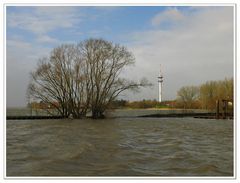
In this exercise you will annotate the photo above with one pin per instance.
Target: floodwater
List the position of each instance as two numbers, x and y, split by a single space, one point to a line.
120 147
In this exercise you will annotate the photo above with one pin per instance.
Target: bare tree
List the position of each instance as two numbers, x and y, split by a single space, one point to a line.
79 78
59 81
188 95
105 61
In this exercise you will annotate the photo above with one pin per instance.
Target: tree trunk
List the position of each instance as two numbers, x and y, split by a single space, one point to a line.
97 114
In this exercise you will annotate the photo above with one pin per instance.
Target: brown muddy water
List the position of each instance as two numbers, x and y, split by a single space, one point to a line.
120 147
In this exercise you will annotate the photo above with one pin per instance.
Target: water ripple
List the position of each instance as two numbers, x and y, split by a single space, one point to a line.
120 147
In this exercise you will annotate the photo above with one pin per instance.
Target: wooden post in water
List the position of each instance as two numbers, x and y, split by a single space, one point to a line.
217 109
224 108
227 109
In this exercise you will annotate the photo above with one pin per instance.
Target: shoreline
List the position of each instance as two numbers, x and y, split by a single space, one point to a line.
159 109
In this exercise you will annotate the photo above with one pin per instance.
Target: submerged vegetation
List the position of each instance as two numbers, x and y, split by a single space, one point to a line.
143 104
79 78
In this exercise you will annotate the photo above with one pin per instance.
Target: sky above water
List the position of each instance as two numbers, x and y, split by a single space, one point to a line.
192 44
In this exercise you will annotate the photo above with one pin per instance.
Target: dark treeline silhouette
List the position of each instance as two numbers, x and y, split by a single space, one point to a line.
143 104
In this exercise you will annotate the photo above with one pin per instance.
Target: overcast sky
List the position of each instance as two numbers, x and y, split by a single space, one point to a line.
192 44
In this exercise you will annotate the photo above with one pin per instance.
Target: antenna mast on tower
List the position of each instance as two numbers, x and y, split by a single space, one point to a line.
160 83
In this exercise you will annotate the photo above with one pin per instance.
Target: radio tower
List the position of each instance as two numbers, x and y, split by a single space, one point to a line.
160 82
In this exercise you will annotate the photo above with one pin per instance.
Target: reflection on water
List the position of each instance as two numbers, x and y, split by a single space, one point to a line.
120 147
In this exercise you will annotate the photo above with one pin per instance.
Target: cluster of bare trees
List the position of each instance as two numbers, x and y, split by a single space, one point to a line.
187 96
205 95
82 78
216 90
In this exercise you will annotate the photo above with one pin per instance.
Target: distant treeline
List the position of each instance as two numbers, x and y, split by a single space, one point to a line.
205 95
188 97
143 104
